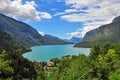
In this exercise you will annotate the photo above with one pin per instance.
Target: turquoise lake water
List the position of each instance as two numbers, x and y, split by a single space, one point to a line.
47 52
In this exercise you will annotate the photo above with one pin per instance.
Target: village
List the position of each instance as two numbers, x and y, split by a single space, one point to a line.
46 65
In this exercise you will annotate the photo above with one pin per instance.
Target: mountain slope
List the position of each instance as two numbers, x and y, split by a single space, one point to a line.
116 19
106 33
13 66
54 40
74 40
11 45
24 32
19 30
50 36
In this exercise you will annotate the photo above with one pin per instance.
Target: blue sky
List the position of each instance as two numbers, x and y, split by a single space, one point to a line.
62 18
54 26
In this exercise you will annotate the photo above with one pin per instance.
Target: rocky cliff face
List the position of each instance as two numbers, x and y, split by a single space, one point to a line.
116 19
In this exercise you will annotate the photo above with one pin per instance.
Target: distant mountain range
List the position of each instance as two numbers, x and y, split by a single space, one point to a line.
54 40
25 33
74 40
51 36
106 33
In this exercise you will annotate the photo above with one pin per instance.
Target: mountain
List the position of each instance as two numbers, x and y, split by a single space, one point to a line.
106 33
50 36
13 65
11 45
20 30
54 40
23 32
116 19
74 40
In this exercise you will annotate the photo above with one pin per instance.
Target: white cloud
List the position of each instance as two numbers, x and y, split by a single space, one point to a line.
41 33
93 13
65 12
20 10
82 3
82 31
45 15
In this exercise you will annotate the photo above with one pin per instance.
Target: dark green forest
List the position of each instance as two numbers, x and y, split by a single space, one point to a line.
12 65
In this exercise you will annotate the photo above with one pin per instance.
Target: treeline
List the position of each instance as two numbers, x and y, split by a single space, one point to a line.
14 67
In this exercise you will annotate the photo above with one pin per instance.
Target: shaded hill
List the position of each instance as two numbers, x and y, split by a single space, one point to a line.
24 32
50 36
106 33
11 45
12 64
20 30
83 44
54 40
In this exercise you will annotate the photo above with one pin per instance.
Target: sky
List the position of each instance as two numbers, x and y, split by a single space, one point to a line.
62 18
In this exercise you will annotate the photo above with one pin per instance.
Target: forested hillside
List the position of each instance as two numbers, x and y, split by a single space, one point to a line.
12 45
12 65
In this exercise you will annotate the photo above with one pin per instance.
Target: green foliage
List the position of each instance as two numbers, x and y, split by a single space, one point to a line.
12 64
111 53
41 73
116 47
95 51
103 63
115 75
23 69
6 70
15 67
71 68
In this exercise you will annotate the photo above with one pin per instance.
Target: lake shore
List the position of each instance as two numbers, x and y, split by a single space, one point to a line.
47 52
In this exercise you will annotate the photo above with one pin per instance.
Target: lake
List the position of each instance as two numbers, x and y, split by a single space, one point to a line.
47 52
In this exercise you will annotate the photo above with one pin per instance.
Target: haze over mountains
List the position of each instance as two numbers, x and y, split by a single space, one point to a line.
106 33
74 40
50 36
25 33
